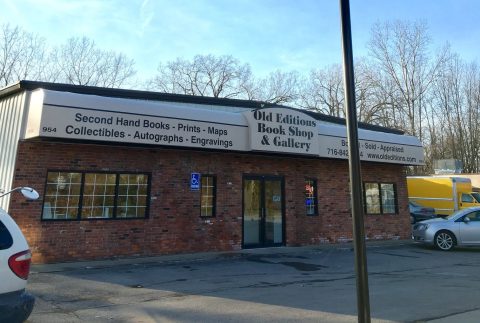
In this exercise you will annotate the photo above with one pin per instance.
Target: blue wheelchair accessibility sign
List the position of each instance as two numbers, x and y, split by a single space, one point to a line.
194 181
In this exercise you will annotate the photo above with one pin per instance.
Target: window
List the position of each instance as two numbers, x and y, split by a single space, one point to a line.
389 200
473 216
98 195
380 198
62 196
132 195
6 239
208 195
74 196
311 197
467 198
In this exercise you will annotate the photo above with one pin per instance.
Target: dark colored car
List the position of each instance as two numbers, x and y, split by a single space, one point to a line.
420 213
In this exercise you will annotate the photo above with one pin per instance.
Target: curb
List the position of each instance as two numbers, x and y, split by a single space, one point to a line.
202 256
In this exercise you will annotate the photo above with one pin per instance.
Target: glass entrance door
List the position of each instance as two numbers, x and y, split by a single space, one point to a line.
262 211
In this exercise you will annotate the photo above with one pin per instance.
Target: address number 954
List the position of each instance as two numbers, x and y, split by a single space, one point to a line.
49 129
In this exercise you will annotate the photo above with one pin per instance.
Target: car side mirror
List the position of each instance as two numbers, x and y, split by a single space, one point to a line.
466 219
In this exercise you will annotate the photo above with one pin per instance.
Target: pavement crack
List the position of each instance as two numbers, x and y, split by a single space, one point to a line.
296 282
446 315
395 254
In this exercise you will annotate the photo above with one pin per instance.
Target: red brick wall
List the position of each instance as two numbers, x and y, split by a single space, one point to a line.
174 224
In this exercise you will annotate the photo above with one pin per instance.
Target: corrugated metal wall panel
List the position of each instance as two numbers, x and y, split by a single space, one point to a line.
11 121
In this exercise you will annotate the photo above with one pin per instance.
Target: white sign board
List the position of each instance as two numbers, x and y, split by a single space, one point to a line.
277 130
372 150
282 130
88 124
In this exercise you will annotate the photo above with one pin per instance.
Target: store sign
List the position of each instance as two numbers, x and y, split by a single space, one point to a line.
89 124
370 150
282 130
276 130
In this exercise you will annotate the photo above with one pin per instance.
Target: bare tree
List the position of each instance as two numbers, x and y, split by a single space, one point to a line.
471 92
323 91
372 101
457 110
21 54
80 62
206 75
400 50
278 87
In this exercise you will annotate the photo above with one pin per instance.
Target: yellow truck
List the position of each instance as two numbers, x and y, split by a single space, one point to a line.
445 194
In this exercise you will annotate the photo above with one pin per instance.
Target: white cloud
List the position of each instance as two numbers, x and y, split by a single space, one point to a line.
146 16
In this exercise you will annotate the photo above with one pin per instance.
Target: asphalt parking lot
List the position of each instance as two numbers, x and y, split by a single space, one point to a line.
408 283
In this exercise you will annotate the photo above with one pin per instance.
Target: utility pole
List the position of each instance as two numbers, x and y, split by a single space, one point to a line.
363 303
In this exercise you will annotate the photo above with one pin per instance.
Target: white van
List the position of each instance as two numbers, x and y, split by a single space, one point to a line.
15 303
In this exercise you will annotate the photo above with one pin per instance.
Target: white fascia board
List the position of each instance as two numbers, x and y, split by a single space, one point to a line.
182 110
153 108
336 130
278 129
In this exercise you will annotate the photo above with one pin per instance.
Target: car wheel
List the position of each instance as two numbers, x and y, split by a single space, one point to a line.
444 240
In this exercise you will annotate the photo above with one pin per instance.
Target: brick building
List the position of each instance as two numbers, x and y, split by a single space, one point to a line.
124 173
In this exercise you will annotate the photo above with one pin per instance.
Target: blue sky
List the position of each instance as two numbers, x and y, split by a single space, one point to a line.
267 34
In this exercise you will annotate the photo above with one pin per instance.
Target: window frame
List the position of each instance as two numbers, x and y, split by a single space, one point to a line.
380 197
114 216
315 195
214 195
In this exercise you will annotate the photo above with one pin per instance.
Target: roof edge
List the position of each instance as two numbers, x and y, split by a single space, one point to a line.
26 85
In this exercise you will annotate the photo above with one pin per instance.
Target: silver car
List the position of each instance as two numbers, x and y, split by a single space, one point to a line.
462 228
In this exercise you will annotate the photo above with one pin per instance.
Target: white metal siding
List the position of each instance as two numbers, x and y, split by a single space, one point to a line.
11 120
